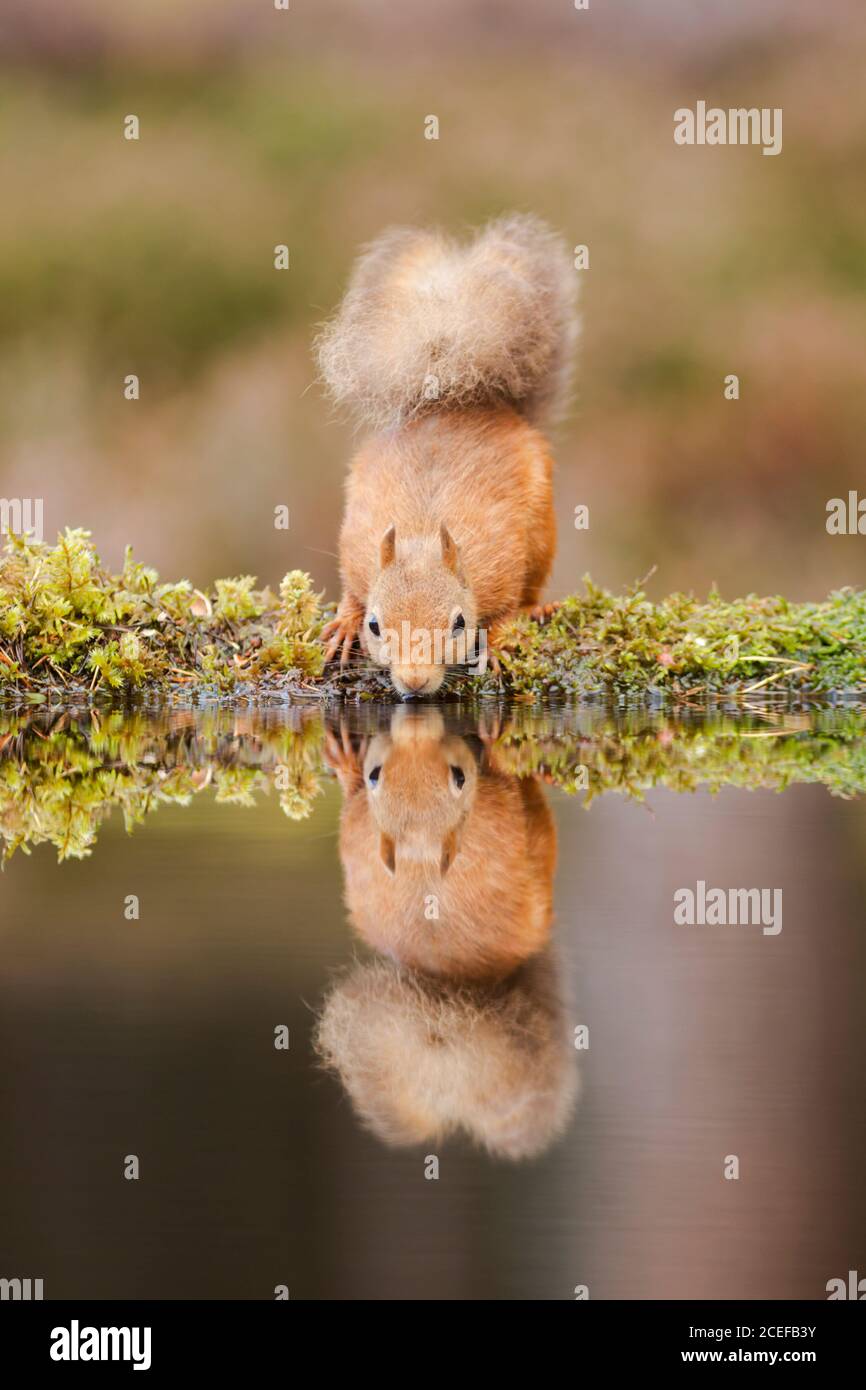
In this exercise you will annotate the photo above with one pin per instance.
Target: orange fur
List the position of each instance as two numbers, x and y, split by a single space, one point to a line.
485 473
422 1060
486 853
459 1021
466 459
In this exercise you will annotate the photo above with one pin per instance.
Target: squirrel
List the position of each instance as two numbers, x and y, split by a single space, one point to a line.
452 355
422 815
458 1022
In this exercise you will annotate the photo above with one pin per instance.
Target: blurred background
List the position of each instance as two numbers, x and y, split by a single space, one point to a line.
305 127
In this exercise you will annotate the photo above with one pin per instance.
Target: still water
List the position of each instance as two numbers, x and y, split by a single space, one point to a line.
510 1072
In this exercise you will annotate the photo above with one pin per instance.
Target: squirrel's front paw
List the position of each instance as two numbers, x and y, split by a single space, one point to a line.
495 644
542 612
342 631
494 663
342 758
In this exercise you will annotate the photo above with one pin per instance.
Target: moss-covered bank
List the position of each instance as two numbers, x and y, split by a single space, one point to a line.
72 630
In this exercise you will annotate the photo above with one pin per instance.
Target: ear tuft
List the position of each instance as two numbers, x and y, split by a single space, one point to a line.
388 852
449 852
450 557
388 547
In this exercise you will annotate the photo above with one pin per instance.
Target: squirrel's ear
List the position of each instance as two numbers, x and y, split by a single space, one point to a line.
449 852
450 558
387 547
388 852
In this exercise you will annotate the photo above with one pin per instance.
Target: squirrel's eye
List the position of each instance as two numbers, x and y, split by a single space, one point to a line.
373 777
459 777
459 623
373 625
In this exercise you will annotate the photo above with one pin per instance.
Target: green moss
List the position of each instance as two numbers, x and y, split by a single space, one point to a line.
58 783
689 650
62 775
633 754
69 627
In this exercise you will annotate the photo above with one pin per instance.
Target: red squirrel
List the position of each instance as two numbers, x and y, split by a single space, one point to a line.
451 354
421 817
459 1021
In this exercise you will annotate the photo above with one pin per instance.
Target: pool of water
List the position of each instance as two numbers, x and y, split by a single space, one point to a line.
401 1004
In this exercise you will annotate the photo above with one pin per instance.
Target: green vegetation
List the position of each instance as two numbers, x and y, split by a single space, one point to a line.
71 630
61 775
688 650
633 755
58 786
68 626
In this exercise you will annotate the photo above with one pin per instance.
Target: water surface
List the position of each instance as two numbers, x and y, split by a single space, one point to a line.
289 870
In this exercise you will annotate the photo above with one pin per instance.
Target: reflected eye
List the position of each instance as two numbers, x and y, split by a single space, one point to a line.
373 625
459 623
459 777
373 777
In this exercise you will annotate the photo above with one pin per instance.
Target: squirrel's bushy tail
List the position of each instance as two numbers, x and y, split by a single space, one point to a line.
428 323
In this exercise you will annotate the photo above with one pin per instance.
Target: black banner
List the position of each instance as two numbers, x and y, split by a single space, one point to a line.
220 1337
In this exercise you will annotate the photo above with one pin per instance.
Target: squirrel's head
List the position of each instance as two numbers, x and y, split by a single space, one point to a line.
448 860
421 783
421 614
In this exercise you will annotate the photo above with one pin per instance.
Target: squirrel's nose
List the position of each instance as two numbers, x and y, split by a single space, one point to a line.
414 682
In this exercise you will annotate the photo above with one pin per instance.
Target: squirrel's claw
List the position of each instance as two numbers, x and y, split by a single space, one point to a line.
342 758
489 727
492 661
341 631
331 635
334 753
543 612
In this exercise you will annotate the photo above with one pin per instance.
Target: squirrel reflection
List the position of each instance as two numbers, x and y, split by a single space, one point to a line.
458 1021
